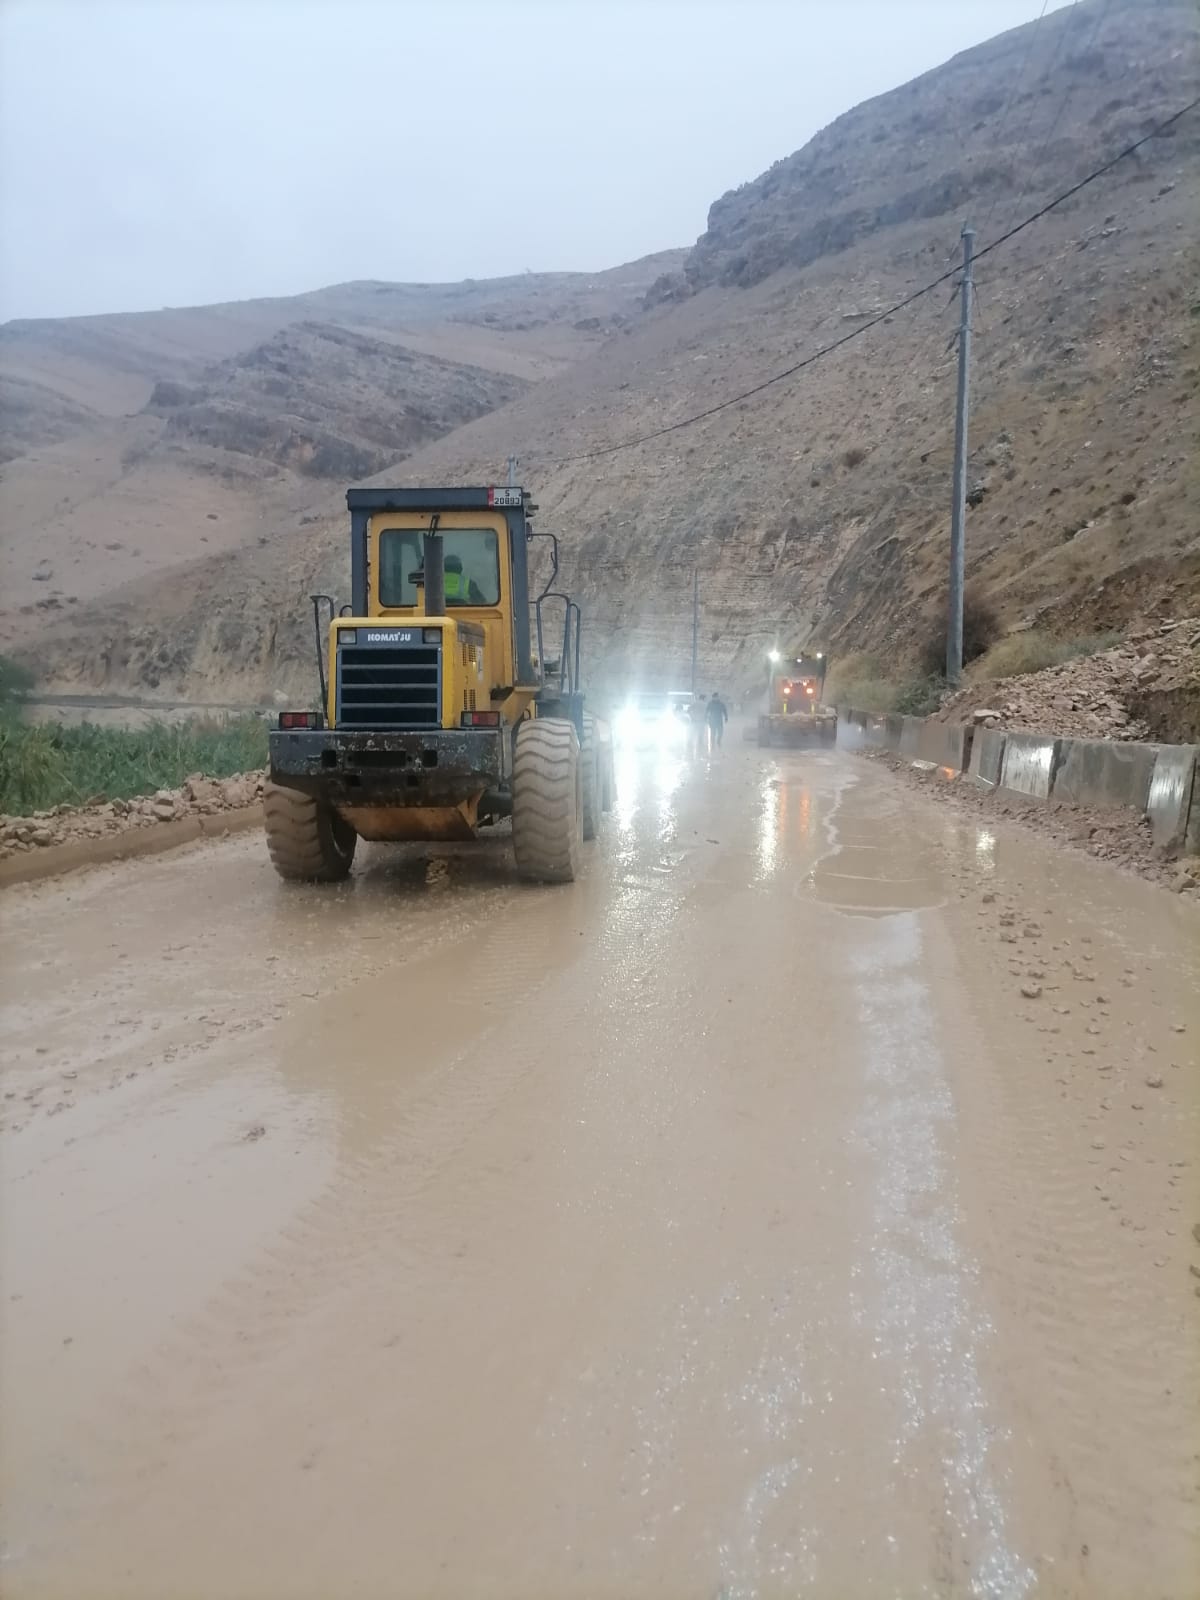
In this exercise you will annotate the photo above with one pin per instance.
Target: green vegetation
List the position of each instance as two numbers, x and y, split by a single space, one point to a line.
1033 651
920 697
981 629
15 682
864 682
46 764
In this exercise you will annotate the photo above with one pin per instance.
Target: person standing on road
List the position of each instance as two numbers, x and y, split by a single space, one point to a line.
716 715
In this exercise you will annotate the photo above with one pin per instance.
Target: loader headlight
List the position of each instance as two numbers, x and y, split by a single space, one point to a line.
347 635
431 635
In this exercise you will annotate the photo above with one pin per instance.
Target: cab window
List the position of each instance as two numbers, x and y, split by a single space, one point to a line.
472 557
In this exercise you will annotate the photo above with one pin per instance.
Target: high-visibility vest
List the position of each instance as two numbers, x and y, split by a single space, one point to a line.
456 586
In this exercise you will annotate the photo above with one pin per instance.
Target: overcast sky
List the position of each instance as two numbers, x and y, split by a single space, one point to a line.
175 152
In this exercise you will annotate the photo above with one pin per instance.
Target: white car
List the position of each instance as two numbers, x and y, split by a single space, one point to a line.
653 721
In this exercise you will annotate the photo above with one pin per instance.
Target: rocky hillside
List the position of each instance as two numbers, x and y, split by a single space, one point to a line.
131 444
819 509
327 402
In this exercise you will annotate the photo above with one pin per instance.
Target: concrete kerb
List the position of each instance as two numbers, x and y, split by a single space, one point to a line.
1173 803
945 744
1160 781
987 756
1104 772
1029 764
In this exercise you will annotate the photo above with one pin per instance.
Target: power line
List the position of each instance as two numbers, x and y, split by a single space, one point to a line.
865 327
1064 100
1012 100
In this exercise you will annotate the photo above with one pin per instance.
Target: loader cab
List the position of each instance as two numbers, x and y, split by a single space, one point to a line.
482 536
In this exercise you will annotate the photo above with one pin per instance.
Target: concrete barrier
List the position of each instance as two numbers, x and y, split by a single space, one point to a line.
987 756
1029 765
1104 772
1160 781
868 729
946 744
910 736
1173 803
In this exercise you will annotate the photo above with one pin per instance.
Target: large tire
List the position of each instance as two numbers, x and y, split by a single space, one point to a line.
590 779
547 795
307 840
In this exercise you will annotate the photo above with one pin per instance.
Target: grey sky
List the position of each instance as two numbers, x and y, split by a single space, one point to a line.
173 152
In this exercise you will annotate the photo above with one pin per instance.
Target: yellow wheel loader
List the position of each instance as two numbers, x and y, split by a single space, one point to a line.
441 714
795 716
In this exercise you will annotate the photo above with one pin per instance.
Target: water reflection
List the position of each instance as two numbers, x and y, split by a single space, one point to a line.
647 780
785 817
770 809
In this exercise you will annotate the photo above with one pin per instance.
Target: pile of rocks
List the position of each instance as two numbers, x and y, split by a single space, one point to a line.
1089 697
199 796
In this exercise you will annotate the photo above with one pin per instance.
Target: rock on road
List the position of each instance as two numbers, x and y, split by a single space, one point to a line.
802 1203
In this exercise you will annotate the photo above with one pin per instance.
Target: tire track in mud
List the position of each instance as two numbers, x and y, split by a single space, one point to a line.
372 1209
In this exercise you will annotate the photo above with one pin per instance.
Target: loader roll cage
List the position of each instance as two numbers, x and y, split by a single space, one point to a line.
517 508
561 673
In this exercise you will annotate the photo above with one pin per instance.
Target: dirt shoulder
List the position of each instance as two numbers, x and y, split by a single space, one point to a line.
58 840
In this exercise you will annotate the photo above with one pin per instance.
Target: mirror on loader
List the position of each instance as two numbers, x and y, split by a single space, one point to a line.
438 719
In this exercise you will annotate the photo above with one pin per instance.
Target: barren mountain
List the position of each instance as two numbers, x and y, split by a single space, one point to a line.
818 509
134 443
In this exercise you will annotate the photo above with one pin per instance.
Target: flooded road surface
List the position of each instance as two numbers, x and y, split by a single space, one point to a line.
800 1204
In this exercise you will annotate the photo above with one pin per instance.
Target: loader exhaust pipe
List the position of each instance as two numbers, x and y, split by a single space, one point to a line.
435 571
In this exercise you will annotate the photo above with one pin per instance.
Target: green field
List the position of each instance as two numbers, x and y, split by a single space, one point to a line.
45 764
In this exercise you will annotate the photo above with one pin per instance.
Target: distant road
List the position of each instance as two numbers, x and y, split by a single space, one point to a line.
129 710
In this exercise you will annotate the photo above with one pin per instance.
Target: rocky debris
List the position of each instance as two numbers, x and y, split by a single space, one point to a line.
1090 697
198 796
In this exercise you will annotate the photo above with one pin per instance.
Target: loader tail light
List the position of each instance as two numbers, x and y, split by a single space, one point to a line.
294 720
481 719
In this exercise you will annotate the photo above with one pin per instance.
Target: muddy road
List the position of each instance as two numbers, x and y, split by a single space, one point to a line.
800 1204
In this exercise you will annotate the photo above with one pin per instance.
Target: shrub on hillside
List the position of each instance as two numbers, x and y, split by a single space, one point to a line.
920 697
1034 651
981 629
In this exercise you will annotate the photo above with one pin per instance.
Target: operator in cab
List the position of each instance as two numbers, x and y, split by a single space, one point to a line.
460 590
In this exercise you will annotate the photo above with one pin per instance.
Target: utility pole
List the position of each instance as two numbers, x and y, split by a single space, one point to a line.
695 620
512 472
958 510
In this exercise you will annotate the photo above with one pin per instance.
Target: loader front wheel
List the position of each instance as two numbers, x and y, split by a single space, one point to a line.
547 795
306 839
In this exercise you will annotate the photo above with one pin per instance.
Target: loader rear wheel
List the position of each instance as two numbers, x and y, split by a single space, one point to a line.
589 759
308 842
547 796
